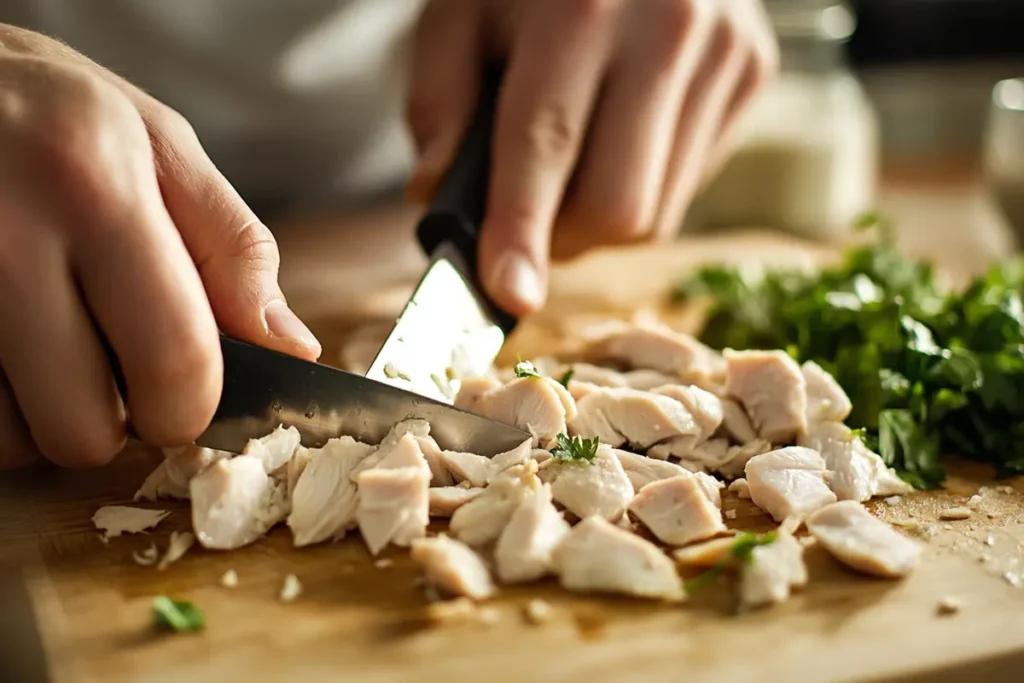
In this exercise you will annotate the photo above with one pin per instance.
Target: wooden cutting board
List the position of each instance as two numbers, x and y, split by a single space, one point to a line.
361 619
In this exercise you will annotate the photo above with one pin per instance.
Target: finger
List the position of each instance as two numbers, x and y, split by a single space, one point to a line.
547 96
619 178
50 354
445 83
699 122
16 446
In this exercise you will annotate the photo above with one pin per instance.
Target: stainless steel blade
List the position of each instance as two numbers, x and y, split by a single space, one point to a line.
444 333
263 389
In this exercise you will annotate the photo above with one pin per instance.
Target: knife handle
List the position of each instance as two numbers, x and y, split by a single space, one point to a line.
456 211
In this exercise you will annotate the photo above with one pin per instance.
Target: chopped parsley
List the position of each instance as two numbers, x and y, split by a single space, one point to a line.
391 372
575 449
525 368
176 615
929 370
567 377
741 552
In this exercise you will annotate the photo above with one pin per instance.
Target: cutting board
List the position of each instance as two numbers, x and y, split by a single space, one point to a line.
359 618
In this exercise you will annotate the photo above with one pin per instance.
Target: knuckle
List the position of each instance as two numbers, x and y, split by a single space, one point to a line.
253 245
167 129
552 133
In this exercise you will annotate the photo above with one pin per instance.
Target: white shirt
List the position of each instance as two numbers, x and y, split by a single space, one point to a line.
295 100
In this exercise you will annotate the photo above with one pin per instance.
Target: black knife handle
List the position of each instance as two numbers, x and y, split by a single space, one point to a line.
457 208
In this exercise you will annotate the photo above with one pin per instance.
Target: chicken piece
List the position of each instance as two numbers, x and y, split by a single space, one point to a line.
706 554
645 380
234 502
171 477
598 556
275 449
482 519
854 471
479 470
445 500
703 406
826 400
736 458
296 466
789 482
599 487
538 405
741 488
860 540
642 470
393 505
453 566
772 572
324 500
579 390
524 549
677 511
595 375
114 520
772 389
640 418
404 451
472 391
440 475
179 543
654 346
736 423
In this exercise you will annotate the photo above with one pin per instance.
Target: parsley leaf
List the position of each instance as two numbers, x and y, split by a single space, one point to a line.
567 377
575 449
176 615
741 552
525 368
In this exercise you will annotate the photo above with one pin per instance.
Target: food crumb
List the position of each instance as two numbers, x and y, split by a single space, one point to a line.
291 588
974 501
489 616
1012 579
730 514
949 605
991 515
740 488
947 527
906 523
383 563
178 545
955 513
459 609
230 579
537 611
892 500
990 540
147 556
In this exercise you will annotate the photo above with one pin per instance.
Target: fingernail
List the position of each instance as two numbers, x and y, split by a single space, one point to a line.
282 322
518 277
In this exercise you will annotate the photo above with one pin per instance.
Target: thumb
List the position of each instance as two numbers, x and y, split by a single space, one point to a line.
235 253
445 81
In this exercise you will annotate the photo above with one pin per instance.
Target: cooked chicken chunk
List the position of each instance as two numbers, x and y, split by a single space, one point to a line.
736 457
478 470
171 477
642 470
114 520
597 556
741 488
600 487
404 451
472 392
393 505
275 449
538 405
854 471
685 448
445 500
773 571
788 482
735 422
826 400
482 519
619 416
705 407
772 389
453 566
524 549
860 540
324 501
706 554
579 389
440 475
595 375
296 466
234 502
677 511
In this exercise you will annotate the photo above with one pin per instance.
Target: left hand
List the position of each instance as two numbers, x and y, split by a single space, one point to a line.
611 112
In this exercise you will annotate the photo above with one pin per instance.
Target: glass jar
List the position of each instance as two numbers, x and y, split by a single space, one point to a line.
806 152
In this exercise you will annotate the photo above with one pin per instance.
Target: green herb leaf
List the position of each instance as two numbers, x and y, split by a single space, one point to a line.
567 377
525 368
740 553
575 449
176 615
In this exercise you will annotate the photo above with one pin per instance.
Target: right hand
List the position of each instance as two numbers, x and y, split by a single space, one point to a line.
113 217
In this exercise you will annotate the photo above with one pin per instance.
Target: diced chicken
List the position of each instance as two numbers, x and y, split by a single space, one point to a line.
683 448
579 389
741 488
619 416
597 556
440 474
538 405
854 471
645 380
599 487
524 549
179 544
826 400
736 457
472 391
324 500
453 566
539 455
394 453
275 449
482 519
595 374
677 511
445 500
114 520
654 346
736 423
705 407
773 571
171 477
706 554
479 470
772 389
788 482
642 470
393 506
296 466
860 540
234 502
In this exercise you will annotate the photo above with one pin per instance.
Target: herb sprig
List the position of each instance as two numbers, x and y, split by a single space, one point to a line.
176 615
525 368
575 449
741 552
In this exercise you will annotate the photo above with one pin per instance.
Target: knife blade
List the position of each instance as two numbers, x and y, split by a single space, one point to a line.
450 329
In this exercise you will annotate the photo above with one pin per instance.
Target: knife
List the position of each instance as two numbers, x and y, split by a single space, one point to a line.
450 329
